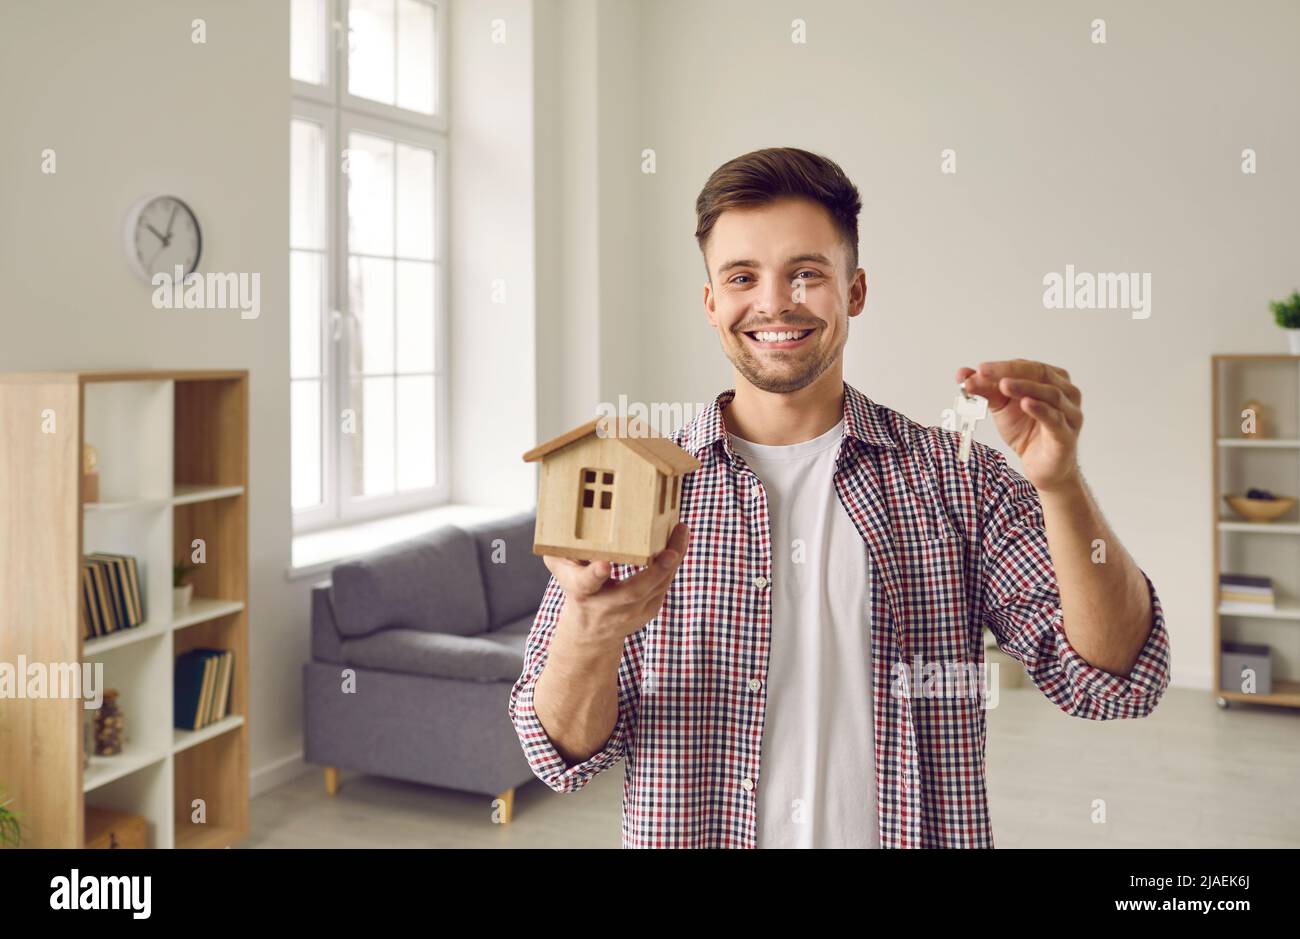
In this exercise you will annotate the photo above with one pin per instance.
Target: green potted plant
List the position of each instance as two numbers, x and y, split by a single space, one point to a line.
1287 315
10 830
182 589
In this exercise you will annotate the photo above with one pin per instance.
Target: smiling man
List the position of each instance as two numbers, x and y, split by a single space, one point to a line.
758 677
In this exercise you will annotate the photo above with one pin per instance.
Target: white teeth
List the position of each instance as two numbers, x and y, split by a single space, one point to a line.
779 337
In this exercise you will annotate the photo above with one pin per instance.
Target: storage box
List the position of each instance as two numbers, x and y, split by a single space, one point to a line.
106 828
1235 656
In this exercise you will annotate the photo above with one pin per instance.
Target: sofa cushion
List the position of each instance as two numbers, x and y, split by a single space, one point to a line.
437 655
514 577
430 583
514 634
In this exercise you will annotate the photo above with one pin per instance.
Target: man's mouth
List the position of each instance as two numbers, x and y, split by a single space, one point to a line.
779 339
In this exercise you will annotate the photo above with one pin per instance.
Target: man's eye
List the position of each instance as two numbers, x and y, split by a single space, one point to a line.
737 278
813 273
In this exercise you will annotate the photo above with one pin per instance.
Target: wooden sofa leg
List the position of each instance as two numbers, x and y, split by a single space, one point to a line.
507 807
331 780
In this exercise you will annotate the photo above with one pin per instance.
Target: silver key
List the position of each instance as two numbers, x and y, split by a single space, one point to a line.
970 409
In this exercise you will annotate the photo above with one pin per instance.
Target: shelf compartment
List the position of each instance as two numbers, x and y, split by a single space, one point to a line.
130 426
1273 381
209 442
145 791
214 770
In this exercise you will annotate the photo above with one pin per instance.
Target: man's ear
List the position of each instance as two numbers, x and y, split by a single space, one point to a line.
857 292
709 312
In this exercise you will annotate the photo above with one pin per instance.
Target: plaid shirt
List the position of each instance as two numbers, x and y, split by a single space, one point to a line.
953 548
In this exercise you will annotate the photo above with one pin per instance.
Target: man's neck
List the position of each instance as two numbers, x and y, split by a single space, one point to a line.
779 420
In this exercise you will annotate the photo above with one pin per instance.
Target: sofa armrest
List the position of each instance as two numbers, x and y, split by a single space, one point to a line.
326 642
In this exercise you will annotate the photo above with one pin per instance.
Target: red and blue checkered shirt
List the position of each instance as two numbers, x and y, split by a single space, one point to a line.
954 548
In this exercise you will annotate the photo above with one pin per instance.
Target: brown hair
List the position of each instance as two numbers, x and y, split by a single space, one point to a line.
763 176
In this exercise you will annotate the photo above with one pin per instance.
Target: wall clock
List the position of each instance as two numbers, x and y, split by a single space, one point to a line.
161 233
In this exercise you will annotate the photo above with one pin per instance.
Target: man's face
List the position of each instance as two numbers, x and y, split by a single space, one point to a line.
781 294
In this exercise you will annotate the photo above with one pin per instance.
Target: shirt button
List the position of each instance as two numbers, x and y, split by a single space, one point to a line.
747 784
760 581
755 684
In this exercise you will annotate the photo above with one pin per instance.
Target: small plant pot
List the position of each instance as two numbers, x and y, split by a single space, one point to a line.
1293 338
181 597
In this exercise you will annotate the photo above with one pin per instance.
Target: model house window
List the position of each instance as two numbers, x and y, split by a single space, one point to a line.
663 490
367 258
597 488
674 502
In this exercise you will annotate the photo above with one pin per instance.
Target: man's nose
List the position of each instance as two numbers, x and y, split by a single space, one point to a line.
776 298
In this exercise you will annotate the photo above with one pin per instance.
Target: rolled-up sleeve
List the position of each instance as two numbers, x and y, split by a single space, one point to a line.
1021 606
546 762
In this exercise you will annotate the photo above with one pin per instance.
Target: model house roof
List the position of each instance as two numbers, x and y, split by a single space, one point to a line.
659 452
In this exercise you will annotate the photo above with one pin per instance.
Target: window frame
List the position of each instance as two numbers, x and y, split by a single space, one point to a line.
340 113
325 513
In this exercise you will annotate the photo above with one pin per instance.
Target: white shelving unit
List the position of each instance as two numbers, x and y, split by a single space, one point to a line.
173 467
1269 549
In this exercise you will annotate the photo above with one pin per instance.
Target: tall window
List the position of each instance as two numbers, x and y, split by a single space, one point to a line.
367 258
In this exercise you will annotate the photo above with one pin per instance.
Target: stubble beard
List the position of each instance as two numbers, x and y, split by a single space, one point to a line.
777 380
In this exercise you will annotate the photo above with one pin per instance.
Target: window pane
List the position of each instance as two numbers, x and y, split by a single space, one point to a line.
306 184
305 432
306 312
372 455
370 282
415 63
307 41
371 65
415 287
414 202
370 194
415 432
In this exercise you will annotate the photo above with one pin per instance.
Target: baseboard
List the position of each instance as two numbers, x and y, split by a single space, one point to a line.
278 773
1194 679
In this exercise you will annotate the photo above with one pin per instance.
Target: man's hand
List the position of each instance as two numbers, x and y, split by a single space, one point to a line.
602 613
576 697
1038 414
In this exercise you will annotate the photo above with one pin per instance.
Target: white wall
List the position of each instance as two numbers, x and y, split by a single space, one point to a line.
588 90
493 367
1115 157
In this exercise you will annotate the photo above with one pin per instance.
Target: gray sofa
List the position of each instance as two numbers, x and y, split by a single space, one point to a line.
433 629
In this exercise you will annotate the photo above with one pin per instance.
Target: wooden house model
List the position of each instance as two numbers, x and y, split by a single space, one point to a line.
609 490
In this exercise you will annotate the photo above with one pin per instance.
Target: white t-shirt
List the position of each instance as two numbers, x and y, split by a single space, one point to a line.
817 773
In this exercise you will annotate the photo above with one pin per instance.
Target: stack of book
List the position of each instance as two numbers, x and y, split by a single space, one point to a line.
202 687
1243 593
110 594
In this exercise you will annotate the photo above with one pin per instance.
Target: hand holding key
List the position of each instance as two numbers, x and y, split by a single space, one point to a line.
970 410
1037 412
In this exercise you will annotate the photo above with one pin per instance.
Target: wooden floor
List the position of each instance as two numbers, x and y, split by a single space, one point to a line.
1191 775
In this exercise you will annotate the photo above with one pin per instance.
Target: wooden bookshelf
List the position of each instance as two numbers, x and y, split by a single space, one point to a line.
173 464
1269 549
